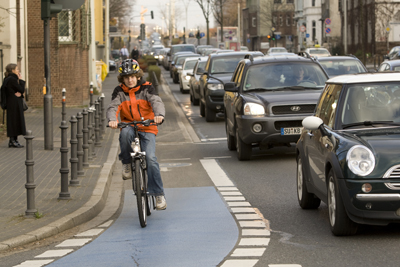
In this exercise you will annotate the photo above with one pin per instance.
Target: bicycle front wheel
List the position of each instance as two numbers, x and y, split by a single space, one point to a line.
141 194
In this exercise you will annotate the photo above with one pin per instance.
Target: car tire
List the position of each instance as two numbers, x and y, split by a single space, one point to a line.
211 115
170 74
176 79
202 109
306 200
340 223
181 88
243 150
230 138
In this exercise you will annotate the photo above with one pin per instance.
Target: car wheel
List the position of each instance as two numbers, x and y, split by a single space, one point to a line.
210 114
170 74
202 109
341 225
306 200
176 79
243 150
229 138
180 87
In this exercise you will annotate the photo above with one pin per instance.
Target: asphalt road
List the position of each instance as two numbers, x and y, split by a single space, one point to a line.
298 237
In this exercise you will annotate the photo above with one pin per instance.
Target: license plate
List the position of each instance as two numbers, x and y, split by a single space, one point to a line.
291 131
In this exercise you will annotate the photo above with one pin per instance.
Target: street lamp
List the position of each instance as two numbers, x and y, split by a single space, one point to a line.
129 32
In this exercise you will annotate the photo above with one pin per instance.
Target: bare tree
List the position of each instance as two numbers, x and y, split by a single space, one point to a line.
121 8
218 12
385 11
206 8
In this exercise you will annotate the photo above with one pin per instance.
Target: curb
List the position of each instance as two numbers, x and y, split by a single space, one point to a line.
85 213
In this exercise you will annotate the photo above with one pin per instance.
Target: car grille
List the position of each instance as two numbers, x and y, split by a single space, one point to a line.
393 173
286 124
217 98
279 110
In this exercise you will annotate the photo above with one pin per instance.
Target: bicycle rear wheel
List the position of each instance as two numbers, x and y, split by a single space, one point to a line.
141 194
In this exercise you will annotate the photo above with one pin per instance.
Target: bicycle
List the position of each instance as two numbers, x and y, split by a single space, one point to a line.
139 172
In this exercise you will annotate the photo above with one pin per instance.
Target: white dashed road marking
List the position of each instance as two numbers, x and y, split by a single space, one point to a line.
74 242
91 232
54 253
34 263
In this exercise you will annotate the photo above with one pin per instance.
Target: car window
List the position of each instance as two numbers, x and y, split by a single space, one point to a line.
340 67
189 65
225 65
397 68
175 49
285 74
318 51
329 101
382 67
237 74
372 102
200 67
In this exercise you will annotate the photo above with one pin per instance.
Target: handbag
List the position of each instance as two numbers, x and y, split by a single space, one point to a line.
24 105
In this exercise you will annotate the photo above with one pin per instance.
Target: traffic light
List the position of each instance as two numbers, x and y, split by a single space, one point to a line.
151 14
269 37
273 36
198 35
142 31
48 9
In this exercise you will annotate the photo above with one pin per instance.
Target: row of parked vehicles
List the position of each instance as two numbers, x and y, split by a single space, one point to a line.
344 120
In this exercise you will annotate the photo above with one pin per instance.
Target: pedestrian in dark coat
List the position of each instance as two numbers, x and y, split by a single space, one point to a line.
135 53
15 88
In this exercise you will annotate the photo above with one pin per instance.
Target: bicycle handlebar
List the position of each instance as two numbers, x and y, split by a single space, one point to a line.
147 122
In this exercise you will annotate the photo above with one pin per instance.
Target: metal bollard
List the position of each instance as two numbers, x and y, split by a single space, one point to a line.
99 99
64 194
79 136
103 114
74 153
63 112
155 82
90 129
91 94
96 124
85 145
93 136
30 181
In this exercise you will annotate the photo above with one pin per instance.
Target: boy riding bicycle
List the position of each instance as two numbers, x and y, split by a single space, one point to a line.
133 100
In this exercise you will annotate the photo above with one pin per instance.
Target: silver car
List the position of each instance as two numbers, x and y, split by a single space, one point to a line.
194 84
187 67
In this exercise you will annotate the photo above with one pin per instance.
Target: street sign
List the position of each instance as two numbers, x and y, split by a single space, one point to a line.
307 35
302 28
388 29
328 21
273 29
277 36
248 40
328 30
202 34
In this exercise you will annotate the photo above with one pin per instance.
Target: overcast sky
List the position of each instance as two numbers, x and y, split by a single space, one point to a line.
195 15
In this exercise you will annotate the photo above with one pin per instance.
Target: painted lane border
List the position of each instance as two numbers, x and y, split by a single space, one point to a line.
254 231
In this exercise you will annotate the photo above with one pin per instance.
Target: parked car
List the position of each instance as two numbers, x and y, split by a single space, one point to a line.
200 48
394 53
389 65
318 52
339 65
112 65
208 51
244 48
267 99
173 60
181 48
166 58
194 82
177 68
274 50
184 77
219 67
347 153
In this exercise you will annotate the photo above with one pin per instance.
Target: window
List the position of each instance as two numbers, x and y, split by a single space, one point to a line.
312 2
65 26
253 22
314 30
274 19
327 106
280 20
287 20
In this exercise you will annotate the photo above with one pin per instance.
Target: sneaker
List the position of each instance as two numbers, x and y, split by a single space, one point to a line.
126 171
161 204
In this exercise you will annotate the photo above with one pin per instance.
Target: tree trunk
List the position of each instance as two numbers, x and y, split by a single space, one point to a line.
208 31
222 21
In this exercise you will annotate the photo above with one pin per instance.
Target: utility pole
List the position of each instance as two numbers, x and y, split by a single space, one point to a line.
345 26
47 10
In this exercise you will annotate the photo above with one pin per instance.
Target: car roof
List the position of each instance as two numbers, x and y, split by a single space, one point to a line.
279 58
366 78
394 62
332 58
182 45
236 53
194 58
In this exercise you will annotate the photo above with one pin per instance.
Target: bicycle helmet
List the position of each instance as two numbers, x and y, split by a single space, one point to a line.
128 67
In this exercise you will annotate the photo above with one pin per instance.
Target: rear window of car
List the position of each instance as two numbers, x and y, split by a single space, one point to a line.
189 65
319 51
225 64
336 67
285 74
175 49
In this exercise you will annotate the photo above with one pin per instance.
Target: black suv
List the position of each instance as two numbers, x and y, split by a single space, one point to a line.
219 68
267 99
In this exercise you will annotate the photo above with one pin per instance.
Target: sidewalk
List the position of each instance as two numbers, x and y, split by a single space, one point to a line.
88 199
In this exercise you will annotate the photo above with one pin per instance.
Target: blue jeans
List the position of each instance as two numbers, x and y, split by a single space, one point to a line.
148 144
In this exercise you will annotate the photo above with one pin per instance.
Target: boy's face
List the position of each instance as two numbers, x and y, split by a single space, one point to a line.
130 81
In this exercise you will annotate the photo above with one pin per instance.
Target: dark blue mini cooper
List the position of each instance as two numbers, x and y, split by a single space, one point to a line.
348 154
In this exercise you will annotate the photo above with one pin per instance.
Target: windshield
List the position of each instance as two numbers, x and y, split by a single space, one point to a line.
284 76
371 102
318 51
189 65
335 68
180 60
225 64
175 49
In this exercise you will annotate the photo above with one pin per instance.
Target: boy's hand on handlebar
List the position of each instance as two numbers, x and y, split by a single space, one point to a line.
113 124
158 119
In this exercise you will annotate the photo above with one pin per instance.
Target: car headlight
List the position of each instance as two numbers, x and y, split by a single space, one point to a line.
360 160
217 86
155 56
253 109
187 78
179 68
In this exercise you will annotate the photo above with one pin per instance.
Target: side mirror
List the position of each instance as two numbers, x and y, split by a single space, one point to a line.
230 87
312 123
